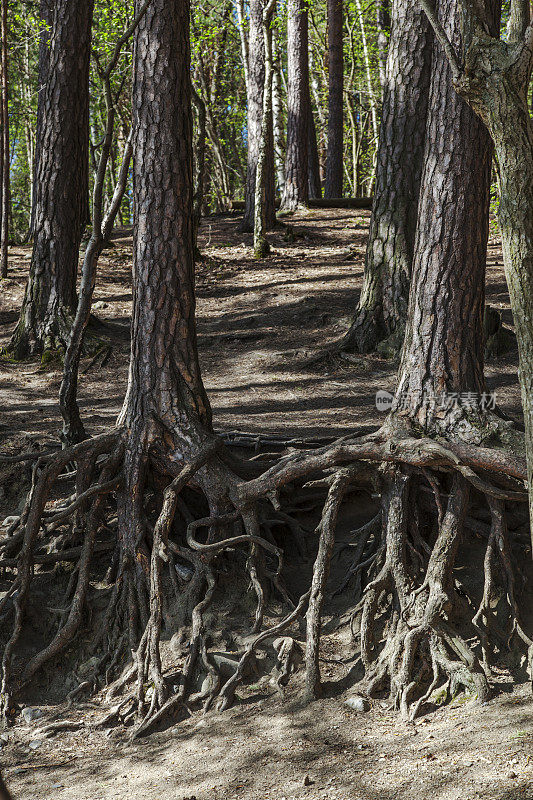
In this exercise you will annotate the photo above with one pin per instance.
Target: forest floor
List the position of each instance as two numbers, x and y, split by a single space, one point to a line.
267 332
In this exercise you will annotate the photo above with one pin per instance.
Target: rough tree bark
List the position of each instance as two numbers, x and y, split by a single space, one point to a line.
444 343
45 16
61 185
254 93
493 76
296 191
261 245
440 392
384 297
335 153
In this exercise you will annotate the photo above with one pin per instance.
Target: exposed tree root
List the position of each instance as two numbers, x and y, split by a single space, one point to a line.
417 630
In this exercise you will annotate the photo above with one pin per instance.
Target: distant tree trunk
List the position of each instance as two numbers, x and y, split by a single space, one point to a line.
444 342
383 31
296 191
315 184
61 187
254 91
277 115
4 231
261 246
385 294
335 157
199 165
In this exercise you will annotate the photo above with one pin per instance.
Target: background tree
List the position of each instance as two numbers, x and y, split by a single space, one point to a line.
296 191
62 184
334 176
382 310
255 92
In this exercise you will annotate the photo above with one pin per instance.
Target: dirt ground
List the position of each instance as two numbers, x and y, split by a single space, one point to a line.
265 331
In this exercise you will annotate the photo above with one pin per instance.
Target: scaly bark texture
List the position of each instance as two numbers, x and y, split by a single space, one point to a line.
254 92
495 80
296 192
61 185
443 349
385 294
335 155
165 387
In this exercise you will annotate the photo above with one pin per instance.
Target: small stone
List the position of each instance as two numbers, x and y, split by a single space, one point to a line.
35 744
308 781
29 714
512 775
9 521
358 704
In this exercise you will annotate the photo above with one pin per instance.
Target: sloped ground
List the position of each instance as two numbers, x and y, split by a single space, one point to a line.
265 331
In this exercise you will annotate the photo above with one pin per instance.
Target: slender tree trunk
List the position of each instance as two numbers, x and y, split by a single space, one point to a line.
315 184
261 246
383 22
4 231
45 15
335 158
61 186
368 70
441 379
385 294
296 191
199 164
277 114
255 88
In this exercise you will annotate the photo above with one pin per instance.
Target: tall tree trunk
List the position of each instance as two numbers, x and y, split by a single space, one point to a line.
443 350
261 246
165 389
4 228
296 192
385 294
254 91
277 113
45 16
494 76
61 186
368 70
335 158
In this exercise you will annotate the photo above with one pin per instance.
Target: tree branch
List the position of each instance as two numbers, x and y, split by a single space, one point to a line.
442 38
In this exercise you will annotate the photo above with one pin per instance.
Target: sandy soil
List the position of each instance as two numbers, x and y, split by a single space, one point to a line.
261 328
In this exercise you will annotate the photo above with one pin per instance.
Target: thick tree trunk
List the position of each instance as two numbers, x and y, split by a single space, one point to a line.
335 157
494 81
444 343
254 92
384 297
296 192
61 185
